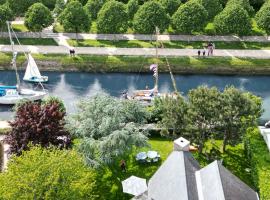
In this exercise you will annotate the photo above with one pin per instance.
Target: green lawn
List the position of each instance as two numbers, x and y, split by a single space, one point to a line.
172 44
109 179
31 41
19 28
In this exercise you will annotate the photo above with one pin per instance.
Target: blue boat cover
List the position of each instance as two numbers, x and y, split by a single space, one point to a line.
4 88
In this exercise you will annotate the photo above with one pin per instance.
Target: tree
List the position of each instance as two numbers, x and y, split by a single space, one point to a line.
39 124
190 17
2 2
109 128
38 17
233 20
170 6
74 18
263 17
242 3
132 8
59 7
47 174
112 18
174 115
49 3
83 2
204 110
213 7
5 15
149 16
238 112
20 8
93 7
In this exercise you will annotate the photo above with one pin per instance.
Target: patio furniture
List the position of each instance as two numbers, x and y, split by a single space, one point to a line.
152 154
134 185
141 156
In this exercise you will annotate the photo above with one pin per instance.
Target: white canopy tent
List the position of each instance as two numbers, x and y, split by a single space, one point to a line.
134 185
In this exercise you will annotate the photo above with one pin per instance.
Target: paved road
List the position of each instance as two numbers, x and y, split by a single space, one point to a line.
134 51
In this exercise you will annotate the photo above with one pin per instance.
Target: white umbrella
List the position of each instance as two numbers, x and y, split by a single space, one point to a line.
134 185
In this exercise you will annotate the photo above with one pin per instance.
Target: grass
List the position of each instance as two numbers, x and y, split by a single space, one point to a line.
90 63
32 41
167 44
3 131
109 179
19 28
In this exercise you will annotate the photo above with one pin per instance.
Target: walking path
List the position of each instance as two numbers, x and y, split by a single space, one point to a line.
134 51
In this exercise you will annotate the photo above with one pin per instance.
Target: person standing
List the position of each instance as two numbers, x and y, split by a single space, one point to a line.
199 53
123 166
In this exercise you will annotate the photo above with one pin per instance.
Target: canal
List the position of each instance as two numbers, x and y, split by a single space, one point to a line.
73 86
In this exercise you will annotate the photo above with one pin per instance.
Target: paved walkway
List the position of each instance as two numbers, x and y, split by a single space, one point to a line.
134 51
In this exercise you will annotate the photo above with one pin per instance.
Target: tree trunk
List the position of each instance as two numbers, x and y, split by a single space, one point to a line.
225 140
201 143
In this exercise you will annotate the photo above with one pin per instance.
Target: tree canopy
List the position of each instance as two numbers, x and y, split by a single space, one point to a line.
233 20
59 7
109 128
263 17
20 8
149 16
93 7
38 123
170 6
74 18
112 18
213 7
241 3
190 17
132 8
5 15
38 17
47 174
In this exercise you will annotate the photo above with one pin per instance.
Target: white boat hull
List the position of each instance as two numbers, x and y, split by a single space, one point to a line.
25 94
43 79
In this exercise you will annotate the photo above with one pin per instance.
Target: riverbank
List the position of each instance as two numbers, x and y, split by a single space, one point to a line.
179 65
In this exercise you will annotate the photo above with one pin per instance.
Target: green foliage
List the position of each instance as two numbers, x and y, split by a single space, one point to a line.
170 6
93 7
233 20
112 18
20 8
243 4
74 18
149 16
50 100
259 158
173 113
213 7
109 128
49 3
1 155
263 17
132 8
38 17
59 7
190 17
5 15
47 174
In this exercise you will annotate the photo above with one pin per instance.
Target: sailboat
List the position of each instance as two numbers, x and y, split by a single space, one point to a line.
12 94
32 73
148 95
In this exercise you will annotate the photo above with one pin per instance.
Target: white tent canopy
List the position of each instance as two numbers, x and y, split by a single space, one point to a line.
134 185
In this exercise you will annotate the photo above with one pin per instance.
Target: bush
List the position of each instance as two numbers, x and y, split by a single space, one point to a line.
242 3
259 157
233 20
112 18
263 17
210 29
47 174
190 17
170 6
149 16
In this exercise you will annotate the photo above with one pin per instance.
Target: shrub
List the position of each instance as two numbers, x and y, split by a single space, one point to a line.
47 174
170 6
190 17
259 157
38 124
112 18
38 17
242 3
263 17
233 20
149 16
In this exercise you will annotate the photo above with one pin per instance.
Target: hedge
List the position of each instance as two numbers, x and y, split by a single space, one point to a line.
259 157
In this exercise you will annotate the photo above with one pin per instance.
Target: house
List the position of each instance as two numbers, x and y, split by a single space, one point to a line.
180 177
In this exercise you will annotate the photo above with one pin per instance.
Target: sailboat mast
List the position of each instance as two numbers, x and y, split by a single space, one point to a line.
156 77
14 57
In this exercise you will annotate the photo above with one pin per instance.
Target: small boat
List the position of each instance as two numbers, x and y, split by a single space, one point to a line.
32 73
10 95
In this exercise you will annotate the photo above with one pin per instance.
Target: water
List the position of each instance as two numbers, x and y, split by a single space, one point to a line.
72 86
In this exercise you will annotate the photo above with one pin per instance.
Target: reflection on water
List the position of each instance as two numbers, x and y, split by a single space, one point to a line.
73 86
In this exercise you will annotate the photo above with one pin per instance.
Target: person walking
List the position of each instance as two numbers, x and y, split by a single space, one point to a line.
199 53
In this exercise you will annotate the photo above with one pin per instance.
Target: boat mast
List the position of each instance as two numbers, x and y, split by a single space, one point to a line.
14 57
156 77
